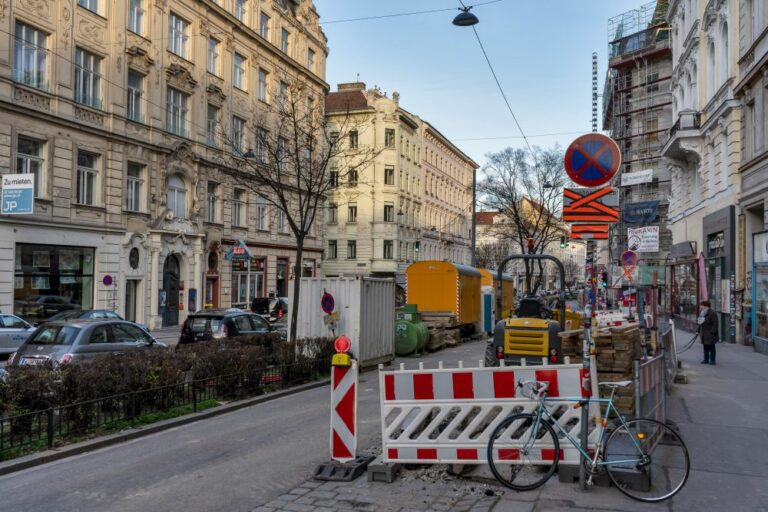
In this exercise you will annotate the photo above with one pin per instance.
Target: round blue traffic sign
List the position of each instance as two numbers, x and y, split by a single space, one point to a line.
107 280
592 160
327 303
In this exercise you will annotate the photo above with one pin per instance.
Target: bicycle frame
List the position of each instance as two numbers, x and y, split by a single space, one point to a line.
543 412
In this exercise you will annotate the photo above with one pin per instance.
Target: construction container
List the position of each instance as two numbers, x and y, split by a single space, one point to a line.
411 335
366 314
444 287
491 278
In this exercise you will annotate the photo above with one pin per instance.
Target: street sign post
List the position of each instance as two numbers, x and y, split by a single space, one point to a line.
592 160
18 197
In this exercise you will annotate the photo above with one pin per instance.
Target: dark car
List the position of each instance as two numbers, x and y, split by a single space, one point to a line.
216 324
85 313
39 307
65 342
273 308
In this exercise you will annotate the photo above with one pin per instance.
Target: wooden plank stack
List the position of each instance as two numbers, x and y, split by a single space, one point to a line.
616 349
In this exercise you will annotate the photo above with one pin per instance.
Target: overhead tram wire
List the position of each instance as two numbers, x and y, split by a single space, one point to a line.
397 15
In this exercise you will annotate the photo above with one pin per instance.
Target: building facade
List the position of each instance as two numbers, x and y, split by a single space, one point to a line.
411 201
120 110
703 155
752 91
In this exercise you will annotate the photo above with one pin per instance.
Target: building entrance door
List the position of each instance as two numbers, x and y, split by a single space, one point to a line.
131 296
171 288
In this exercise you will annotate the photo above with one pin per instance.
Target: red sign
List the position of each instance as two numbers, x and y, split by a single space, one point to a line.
590 231
342 344
584 205
592 160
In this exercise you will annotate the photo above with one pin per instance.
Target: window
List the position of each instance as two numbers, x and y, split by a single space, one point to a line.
352 178
29 160
136 17
389 175
351 249
282 143
238 71
284 40
86 178
134 91
238 134
352 212
282 98
262 85
310 59
134 186
177 112
264 26
389 137
87 78
213 56
240 10
389 212
334 137
238 205
261 145
333 213
353 139
332 250
388 249
177 35
334 178
261 213
212 122
282 224
213 201
91 5
30 57
127 333
99 334
177 197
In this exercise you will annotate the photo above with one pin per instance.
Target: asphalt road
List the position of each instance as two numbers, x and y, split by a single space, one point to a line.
230 463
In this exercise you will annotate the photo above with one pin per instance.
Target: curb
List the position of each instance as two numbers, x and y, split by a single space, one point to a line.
40 458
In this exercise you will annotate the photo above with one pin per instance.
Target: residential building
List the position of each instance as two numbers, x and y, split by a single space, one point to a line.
752 90
411 201
118 109
703 155
637 112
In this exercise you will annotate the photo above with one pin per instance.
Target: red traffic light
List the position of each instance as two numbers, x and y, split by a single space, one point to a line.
530 244
342 344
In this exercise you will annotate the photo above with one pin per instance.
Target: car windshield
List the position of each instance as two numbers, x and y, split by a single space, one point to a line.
54 335
204 323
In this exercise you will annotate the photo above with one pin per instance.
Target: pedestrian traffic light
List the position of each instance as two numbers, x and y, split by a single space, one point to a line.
563 242
604 276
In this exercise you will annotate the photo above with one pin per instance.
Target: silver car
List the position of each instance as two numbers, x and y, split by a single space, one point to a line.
13 332
82 341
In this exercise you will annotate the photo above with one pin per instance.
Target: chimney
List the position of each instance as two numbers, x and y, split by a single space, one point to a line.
351 86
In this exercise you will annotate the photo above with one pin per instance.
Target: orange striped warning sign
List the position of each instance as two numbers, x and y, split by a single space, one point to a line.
590 231
587 205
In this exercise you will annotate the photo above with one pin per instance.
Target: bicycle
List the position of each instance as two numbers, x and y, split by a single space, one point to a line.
641 456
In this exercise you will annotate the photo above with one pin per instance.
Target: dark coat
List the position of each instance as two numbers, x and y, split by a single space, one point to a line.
708 330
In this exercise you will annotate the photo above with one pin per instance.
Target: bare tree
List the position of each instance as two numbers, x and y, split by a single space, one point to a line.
289 162
528 194
491 255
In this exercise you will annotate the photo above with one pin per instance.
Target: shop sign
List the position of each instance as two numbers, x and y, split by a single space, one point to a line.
18 195
716 245
644 239
239 252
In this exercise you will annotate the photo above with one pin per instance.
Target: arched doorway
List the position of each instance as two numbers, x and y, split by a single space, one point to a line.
171 291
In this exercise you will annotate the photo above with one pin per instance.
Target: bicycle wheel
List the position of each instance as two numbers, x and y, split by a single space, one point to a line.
521 457
646 460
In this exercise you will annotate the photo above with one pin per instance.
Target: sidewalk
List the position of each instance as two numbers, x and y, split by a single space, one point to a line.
722 416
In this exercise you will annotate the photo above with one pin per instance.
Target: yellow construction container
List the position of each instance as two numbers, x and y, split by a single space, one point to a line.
491 278
442 286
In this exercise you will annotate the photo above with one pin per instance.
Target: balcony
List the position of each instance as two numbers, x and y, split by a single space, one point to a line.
684 142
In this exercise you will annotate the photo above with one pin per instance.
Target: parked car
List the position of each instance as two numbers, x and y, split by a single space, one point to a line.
213 324
65 342
273 308
13 332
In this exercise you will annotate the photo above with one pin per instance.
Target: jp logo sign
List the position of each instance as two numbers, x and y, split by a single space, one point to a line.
18 194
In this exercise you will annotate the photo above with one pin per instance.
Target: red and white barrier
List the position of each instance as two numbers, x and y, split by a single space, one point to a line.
344 412
447 415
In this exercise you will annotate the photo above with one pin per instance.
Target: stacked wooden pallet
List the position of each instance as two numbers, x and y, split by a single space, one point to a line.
441 337
616 349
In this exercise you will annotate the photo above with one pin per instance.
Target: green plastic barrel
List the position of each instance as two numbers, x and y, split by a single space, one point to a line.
410 337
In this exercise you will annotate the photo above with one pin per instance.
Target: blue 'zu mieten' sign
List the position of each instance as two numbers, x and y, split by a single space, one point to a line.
18 194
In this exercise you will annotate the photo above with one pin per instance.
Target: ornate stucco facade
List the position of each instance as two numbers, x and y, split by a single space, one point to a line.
118 108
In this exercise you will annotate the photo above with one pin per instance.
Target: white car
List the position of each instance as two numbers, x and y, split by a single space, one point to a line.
13 332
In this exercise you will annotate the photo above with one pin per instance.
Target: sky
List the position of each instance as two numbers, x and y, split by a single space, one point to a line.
541 51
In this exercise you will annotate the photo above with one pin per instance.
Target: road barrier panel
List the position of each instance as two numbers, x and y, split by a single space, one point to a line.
446 415
344 412
650 388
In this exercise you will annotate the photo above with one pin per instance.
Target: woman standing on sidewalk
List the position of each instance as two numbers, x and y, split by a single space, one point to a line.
708 331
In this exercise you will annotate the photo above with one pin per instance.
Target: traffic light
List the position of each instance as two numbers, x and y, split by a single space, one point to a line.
604 276
563 242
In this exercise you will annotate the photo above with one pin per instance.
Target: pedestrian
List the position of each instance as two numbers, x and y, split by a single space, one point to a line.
708 331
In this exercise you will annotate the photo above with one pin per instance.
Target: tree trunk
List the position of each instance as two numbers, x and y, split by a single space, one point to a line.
296 288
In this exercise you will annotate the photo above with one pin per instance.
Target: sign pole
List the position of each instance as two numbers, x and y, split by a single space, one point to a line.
585 354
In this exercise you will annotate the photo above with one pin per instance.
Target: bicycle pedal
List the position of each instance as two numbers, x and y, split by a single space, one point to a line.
590 481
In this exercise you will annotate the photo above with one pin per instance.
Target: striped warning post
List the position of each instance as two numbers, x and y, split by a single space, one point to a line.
344 412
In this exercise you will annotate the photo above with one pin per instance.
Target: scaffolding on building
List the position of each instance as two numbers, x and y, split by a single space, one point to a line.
637 110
